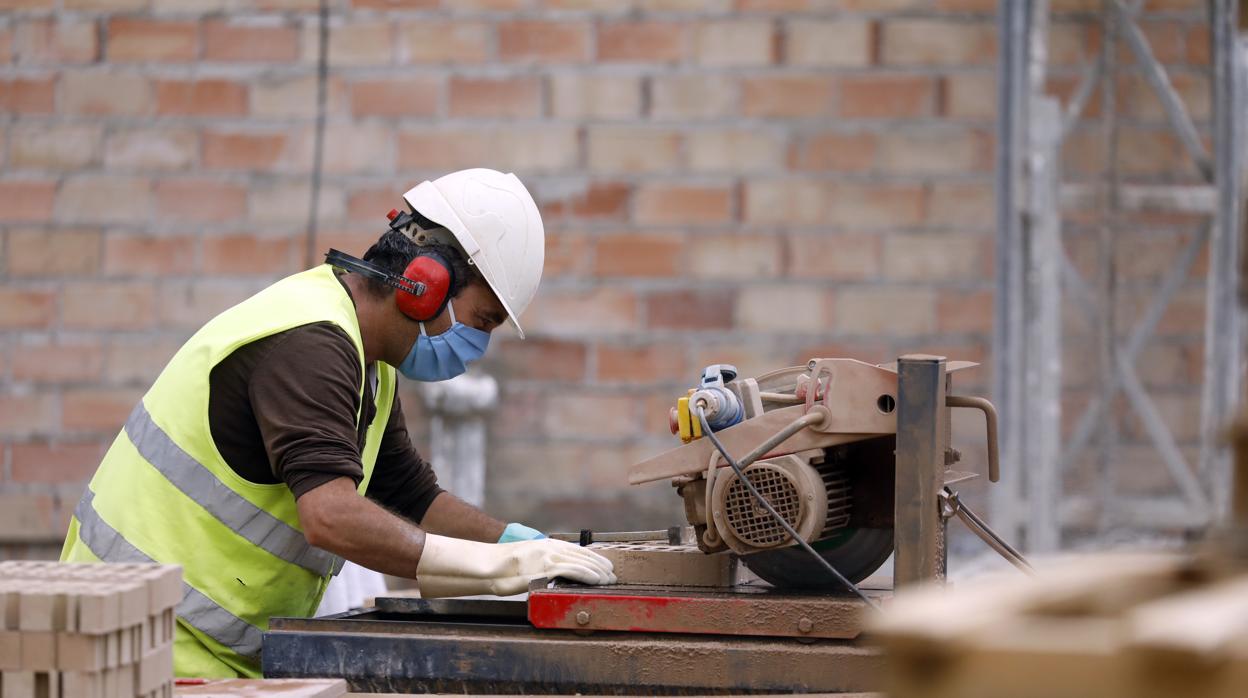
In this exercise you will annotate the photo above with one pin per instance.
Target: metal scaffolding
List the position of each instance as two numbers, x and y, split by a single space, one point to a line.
1036 278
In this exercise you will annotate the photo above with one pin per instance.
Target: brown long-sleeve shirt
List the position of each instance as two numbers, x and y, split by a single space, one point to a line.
282 409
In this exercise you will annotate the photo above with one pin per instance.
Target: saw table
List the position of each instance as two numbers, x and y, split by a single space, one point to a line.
732 634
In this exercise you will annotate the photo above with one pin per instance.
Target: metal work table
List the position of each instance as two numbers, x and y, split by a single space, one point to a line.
469 646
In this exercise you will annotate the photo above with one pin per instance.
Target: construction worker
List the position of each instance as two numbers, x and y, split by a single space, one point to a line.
246 461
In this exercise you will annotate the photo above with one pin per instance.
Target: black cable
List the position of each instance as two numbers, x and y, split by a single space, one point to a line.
749 486
318 144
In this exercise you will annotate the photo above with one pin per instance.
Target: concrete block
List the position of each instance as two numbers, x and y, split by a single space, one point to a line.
641 563
99 611
78 652
154 669
17 684
38 650
83 684
10 650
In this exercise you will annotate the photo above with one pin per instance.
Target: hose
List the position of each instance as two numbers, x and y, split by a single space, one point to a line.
749 486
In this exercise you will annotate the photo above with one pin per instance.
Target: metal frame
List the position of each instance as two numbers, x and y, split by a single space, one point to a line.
1033 273
919 552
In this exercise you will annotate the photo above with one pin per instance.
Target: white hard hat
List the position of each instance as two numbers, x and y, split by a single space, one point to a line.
496 222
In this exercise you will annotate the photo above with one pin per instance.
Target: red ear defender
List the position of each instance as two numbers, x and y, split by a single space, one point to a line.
432 271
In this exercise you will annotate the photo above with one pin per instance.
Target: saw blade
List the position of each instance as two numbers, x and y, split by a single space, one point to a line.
854 552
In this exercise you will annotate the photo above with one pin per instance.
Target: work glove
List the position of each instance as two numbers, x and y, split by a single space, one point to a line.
456 567
517 532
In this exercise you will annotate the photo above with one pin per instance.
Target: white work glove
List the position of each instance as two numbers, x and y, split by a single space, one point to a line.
456 567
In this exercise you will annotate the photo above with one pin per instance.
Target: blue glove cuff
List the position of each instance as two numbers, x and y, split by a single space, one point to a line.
516 532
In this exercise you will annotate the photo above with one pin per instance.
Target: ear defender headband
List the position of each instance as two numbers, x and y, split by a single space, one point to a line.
421 292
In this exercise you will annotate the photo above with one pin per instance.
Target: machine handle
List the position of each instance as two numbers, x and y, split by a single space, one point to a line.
990 416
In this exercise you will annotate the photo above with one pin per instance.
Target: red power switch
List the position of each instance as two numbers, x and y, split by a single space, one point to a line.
394 213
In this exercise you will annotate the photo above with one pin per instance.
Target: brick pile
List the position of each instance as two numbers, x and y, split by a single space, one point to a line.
87 630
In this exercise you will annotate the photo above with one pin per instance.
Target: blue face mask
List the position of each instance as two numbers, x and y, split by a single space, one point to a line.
444 356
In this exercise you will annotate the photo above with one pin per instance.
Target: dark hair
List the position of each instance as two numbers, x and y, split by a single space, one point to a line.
394 251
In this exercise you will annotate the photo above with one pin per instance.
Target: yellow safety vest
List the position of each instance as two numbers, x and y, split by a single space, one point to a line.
163 493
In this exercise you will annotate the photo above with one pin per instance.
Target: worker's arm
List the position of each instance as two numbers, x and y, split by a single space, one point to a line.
451 516
336 518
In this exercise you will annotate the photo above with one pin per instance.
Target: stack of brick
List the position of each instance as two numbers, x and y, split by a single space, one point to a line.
87 631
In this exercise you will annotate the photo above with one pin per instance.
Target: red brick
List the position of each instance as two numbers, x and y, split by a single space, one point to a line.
537 149
6 45
735 42
56 42
690 310
72 251
937 42
782 308
633 149
243 151
886 96
1198 45
108 305
566 254
964 311
674 204
358 43
26 415
395 4
44 146
855 205
26 200
739 257
835 257
28 95
102 410
598 200
56 462
646 42
159 148
93 92
142 255
145 40
200 98
840 42
431 41
686 96
515 97
594 413
834 151
57 363
786 96
638 255
373 204
541 359
542 41
578 312
200 200
644 363
411 97
97 197
932 257
787 201
138 360
248 254
26 308
192 304
224 41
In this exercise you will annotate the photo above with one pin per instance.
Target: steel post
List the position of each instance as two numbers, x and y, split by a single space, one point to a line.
922 441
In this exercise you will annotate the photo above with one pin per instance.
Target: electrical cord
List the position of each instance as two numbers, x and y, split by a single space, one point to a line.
749 486
318 143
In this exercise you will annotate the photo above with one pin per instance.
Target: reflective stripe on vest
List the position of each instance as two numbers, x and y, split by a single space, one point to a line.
251 522
201 612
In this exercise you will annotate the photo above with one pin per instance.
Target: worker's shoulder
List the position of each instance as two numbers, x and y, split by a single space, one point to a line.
315 345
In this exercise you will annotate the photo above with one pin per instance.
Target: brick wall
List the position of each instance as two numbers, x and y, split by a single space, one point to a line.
753 182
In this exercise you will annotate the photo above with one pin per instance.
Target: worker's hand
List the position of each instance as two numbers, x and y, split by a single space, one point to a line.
455 567
518 532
